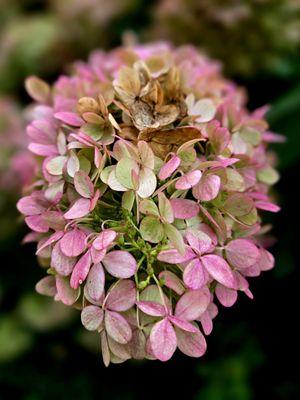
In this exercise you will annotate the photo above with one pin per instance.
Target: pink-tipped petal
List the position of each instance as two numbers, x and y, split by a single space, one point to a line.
95 282
182 324
91 317
174 257
104 239
227 297
191 344
81 270
194 275
208 188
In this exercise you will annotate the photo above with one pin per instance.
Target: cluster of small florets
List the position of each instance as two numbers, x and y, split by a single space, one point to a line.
147 206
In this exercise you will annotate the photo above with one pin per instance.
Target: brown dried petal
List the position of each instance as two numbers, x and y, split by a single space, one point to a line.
87 104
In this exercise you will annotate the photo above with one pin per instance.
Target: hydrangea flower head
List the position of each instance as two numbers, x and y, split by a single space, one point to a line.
148 204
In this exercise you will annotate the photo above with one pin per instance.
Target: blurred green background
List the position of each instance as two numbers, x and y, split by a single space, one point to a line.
253 351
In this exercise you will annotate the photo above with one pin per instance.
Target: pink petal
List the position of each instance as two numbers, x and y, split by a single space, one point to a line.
65 293
151 308
241 253
227 297
43 150
79 209
62 264
198 240
83 184
120 264
267 206
266 260
174 257
122 296
163 340
95 282
192 304
52 239
208 188
37 223
97 255
219 270
81 270
182 324
172 281
167 170
46 286
28 206
73 243
117 327
191 344
206 322
188 180
69 118
184 209
194 275
104 239
94 199
91 317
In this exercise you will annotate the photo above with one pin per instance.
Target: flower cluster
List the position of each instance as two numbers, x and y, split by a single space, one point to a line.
270 30
147 205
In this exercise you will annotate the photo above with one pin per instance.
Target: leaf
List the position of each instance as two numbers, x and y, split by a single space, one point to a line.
184 208
227 297
120 264
208 188
175 237
73 243
83 184
95 282
151 229
219 270
91 317
168 168
241 253
117 327
79 209
191 344
81 270
163 340
122 296
165 208
151 308
194 275
192 304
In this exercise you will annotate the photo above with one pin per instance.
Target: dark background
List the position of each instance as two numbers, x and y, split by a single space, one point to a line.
253 352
